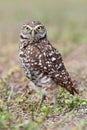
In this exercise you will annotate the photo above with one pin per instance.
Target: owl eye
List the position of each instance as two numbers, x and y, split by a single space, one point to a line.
27 28
39 28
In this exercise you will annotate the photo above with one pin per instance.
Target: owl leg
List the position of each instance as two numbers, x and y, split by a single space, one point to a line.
43 97
54 98
54 101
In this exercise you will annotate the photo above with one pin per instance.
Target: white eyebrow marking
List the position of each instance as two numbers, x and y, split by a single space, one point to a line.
21 34
28 26
38 26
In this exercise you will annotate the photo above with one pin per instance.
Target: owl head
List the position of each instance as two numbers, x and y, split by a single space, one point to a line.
33 31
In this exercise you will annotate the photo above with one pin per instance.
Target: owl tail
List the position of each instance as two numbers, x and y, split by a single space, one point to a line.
72 88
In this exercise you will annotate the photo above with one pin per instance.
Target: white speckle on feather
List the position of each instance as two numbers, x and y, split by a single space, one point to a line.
49 65
28 56
50 54
40 56
47 62
25 60
65 77
53 70
57 52
53 59
44 53
59 66
57 75
40 63
63 71
60 76
35 63
65 82
28 59
50 47
45 67
21 52
28 51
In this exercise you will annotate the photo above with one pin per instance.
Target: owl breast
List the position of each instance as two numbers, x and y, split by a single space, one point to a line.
31 60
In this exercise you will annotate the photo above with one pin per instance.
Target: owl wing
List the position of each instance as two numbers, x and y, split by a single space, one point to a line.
54 66
49 61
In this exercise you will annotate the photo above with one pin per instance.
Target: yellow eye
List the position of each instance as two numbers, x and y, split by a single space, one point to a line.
39 28
27 28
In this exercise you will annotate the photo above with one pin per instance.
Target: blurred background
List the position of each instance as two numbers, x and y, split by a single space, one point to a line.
66 20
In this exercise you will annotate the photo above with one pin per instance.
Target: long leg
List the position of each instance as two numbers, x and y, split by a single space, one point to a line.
54 100
43 97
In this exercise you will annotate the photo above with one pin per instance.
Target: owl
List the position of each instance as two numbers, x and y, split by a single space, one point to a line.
42 63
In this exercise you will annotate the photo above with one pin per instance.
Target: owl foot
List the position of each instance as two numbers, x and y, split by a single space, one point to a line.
54 102
43 97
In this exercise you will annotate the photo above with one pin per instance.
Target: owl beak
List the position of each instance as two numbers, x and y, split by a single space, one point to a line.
33 33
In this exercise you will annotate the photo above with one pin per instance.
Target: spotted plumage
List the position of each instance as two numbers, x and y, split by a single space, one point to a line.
42 63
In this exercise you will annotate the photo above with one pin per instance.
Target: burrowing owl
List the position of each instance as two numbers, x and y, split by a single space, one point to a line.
42 63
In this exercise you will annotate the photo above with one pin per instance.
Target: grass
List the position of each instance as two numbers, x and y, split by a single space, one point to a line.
20 111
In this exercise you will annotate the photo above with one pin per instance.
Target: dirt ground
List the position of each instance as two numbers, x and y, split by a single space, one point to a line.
78 59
